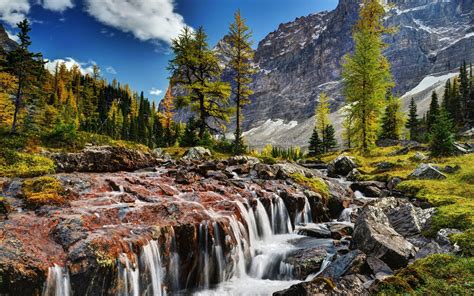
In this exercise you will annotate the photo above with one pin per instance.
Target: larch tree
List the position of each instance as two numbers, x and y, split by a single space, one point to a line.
241 57
413 123
366 75
195 67
322 116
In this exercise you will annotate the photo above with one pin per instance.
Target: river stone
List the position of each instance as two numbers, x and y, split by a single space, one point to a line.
378 266
350 263
374 235
427 172
339 230
314 230
409 220
342 165
306 261
197 153
349 285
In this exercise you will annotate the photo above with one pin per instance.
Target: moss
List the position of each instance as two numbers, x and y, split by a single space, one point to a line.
267 160
434 275
25 165
315 184
102 255
465 241
42 191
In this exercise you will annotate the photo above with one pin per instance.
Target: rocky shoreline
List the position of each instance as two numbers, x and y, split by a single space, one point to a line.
192 224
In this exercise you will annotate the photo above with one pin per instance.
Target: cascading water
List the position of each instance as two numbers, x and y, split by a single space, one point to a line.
151 262
58 283
304 216
280 218
128 277
345 215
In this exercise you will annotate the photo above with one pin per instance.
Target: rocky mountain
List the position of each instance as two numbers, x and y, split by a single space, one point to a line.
5 42
302 58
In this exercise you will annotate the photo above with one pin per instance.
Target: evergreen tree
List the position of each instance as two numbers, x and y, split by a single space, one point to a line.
392 120
455 104
322 115
464 92
442 138
433 111
241 56
367 75
196 68
330 142
24 66
189 137
447 98
413 122
315 144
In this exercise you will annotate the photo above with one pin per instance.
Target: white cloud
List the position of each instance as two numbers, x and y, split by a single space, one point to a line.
85 68
12 36
14 11
57 5
145 19
155 92
110 70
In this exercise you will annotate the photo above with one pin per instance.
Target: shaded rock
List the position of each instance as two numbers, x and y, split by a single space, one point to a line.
197 153
430 249
307 261
350 263
385 166
374 235
69 231
393 182
342 165
442 236
369 188
285 170
265 171
314 230
451 169
103 159
350 285
377 266
243 159
401 151
340 230
463 148
427 172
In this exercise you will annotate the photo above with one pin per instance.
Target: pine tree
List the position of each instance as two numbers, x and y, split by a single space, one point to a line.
367 75
433 111
455 104
330 142
196 68
392 120
189 138
447 97
24 66
442 138
241 56
464 92
413 123
315 144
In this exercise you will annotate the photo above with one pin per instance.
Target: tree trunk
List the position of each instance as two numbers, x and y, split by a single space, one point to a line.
202 117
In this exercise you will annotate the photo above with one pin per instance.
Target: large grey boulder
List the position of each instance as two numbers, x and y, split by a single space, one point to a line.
342 165
409 220
285 170
374 235
196 153
427 171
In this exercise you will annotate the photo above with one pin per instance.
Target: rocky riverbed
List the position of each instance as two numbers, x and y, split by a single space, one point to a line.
207 227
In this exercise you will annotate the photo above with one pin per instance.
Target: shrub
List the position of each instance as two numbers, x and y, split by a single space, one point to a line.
42 191
63 135
19 164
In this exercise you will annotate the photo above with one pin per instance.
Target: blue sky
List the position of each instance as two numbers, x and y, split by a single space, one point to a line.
129 39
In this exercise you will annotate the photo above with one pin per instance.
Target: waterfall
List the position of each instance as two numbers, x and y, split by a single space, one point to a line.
128 278
263 222
151 261
58 283
174 263
204 255
281 222
219 254
304 216
239 258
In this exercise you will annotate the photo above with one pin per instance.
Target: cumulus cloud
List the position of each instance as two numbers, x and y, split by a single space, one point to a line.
155 92
110 70
57 5
85 68
13 12
145 19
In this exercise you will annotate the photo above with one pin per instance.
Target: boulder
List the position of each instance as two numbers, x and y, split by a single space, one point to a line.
314 230
349 285
374 235
419 157
340 230
196 153
353 175
427 172
103 159
265 171
378 267
442 236
451 169
342 166
385 166
393 182
409 220
243 159
285 170
306 261
369 188
401 151
350 263
464 148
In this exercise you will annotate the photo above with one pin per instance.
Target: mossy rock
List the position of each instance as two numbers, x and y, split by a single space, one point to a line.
316 184
42 191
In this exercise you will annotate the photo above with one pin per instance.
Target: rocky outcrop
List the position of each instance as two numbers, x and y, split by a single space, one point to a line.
197 153
103 159
427 171
5 42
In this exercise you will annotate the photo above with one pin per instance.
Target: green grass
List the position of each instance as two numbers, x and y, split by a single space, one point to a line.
434 275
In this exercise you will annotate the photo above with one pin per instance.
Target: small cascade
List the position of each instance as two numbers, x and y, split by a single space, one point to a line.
204 255
327 260
128 277
304 216
263 222
174 263
239 255
58 283
281 222
286 271
345 215
219 254
151 262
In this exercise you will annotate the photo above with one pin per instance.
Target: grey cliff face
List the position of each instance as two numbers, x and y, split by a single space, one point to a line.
5 42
